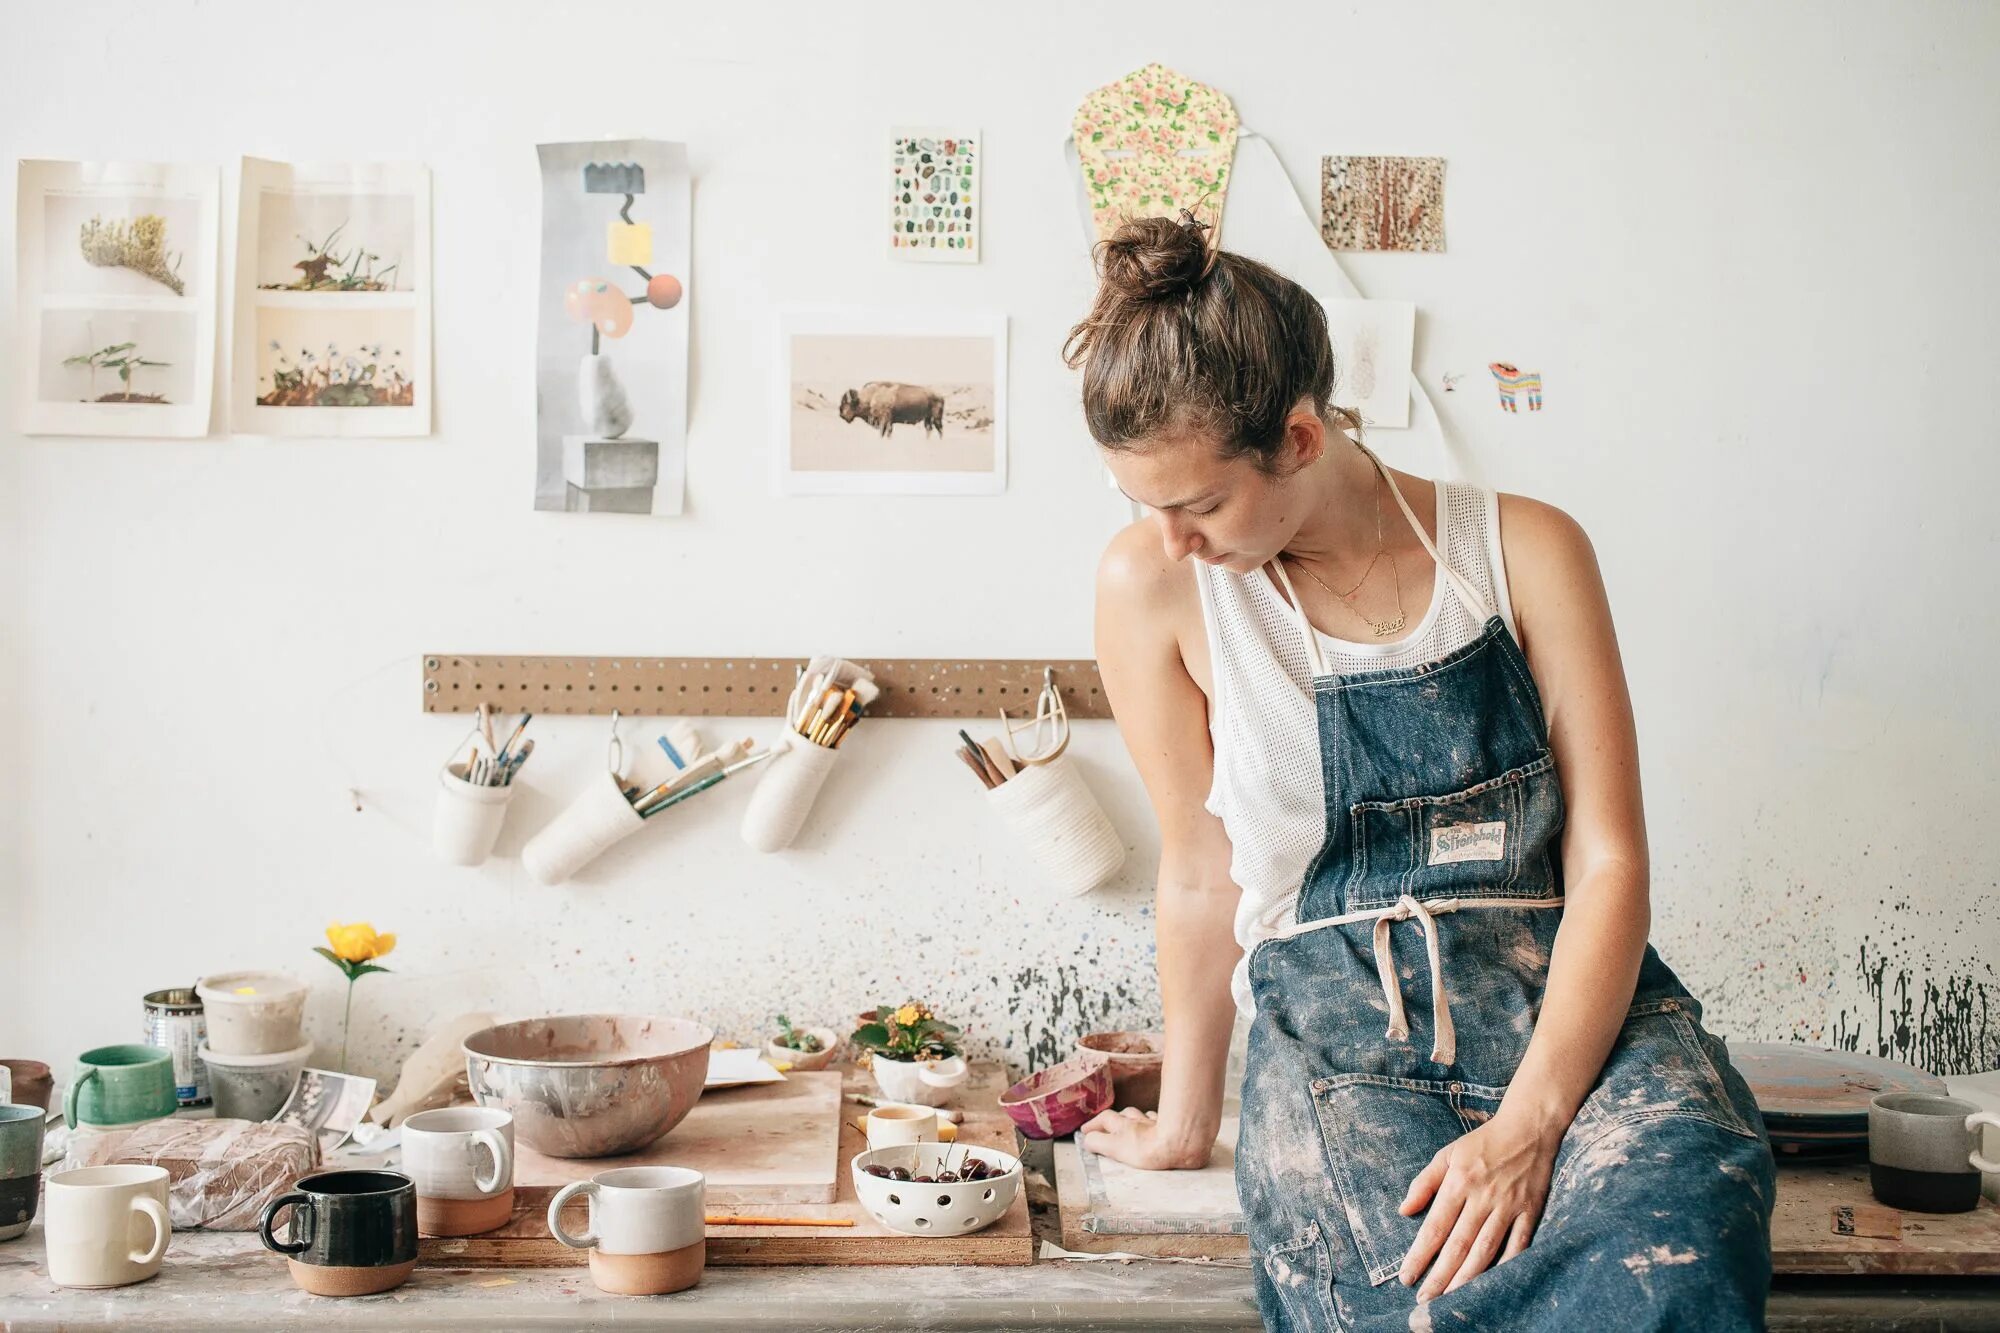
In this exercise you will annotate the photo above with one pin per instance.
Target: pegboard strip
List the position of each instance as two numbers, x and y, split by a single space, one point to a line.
743 686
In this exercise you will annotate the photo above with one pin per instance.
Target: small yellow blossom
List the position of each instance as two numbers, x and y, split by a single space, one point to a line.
909 1015
358 943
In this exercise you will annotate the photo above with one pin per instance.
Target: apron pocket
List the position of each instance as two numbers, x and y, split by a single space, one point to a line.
1494 839
1659 1068
1380 1132
1297 1273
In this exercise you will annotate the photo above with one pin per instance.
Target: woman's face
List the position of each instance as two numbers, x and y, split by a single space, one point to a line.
1228 512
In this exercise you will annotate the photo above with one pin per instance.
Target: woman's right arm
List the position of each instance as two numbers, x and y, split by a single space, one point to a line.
1146 610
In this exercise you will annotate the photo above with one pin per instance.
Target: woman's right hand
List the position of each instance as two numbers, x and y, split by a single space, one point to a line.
1138 1139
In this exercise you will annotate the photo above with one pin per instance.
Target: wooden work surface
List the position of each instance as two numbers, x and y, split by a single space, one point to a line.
764 1143
525 1242
1104 1212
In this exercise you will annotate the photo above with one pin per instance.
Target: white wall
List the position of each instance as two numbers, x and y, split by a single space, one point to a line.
1748 247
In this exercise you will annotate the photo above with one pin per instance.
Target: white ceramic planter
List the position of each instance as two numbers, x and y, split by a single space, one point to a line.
252 1013
919 1082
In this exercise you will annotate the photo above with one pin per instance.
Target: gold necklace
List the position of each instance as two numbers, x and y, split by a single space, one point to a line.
1382 628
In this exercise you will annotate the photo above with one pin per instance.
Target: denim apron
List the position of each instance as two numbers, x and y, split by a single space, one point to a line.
1392 1012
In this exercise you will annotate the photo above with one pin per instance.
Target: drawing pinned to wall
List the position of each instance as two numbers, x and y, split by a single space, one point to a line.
1515 383
890 403
1153 143
115 297
1382 203
333 300
1372 346
611 408
934 209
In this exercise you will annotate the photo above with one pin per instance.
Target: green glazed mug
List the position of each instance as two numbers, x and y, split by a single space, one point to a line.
121 1085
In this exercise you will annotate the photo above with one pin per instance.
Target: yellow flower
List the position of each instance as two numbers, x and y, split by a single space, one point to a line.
908 1015
358 943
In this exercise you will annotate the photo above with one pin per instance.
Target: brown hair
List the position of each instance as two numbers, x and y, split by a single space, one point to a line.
1186 337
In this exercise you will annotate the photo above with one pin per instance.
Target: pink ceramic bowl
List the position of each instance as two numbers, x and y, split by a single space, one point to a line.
1059 1099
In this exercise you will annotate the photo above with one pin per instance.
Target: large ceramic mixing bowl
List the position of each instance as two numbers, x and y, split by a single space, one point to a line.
590 1085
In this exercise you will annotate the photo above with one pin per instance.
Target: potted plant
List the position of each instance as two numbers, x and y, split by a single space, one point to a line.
913 1054
800 1050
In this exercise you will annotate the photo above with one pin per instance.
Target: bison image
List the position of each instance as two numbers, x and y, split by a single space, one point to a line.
885 406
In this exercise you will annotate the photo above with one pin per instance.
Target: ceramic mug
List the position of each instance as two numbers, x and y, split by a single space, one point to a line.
20 1167
462 1160
896 1124
646 1235
1923 1151
121 1085
106 1226
353 1233
32 1083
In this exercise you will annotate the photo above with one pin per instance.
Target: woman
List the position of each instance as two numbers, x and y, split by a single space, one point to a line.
1399 752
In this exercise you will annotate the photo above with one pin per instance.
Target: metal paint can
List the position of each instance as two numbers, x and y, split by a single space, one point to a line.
175 1022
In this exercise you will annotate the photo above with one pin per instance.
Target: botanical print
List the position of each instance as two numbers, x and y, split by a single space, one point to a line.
890 403
1151 144
115 298
1513 381
1382 203
1372 345
934 195
612 329
332 300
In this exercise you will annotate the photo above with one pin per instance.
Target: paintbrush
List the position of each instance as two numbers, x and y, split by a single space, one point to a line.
518 729
684 793
514 764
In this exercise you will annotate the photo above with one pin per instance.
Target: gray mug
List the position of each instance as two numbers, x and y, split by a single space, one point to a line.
20 1167
1923 1151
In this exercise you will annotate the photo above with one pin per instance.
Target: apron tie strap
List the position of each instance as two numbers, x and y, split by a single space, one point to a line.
1444 1041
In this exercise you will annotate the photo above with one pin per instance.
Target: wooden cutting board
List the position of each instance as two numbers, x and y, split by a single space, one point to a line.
762 1143
525 1242
1106 1208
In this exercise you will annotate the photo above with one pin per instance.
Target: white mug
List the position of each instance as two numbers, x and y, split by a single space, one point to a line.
106 1225
647 1233
461 1159
899 1123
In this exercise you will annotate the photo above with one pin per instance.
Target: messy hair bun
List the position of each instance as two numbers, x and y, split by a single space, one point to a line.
1187 338
1154 259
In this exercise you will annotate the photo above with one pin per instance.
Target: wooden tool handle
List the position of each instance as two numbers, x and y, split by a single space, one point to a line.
734 1220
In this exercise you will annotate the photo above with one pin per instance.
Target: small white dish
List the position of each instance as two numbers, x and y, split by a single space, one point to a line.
919 1208
918 1082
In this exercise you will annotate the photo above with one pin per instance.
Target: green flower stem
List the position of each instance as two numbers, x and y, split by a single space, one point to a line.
346 1022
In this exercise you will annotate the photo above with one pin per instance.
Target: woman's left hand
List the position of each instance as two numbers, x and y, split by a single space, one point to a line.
1485 1192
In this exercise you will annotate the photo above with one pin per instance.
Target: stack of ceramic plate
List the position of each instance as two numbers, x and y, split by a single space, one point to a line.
1814 1102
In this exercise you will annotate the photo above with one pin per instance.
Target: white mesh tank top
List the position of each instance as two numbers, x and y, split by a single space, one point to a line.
1267 789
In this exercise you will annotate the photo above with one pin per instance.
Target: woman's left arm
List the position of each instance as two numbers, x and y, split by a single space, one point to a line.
1486 1191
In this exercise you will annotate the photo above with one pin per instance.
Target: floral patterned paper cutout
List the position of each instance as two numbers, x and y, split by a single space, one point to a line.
1153 143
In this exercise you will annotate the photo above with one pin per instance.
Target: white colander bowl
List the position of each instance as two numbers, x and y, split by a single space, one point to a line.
917 1209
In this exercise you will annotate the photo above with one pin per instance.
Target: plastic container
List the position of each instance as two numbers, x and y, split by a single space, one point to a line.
1052 811
252 1013
468 817
253 1087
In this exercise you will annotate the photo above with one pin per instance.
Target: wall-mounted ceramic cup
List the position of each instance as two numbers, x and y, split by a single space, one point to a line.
20 1166
351 1233
462 1160
896 1123
32 1083
120 1085
1923 1151
106 1226
646 1233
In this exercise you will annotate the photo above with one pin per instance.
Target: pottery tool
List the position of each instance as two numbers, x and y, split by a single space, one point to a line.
733 1220
979 761
1050 711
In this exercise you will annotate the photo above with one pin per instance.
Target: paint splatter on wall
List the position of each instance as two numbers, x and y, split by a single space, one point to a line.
1947 1024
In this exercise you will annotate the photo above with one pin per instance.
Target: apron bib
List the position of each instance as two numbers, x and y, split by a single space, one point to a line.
1393 1012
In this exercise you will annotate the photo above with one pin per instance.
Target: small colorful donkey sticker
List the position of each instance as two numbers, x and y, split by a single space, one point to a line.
1512 380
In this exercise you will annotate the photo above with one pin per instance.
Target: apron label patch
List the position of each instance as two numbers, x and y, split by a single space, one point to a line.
1469 842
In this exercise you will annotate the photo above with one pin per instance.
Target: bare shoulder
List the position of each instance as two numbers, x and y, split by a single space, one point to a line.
1543 545
1136 577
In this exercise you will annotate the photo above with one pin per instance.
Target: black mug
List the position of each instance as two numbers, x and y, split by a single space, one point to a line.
353 1233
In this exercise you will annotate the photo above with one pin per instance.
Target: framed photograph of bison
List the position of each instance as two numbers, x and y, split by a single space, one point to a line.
890 402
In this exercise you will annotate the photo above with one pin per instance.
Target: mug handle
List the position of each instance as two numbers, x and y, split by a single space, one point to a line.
1972 1123
162 1229
72 1091
503 1161
302 1210
587 1188
937 1080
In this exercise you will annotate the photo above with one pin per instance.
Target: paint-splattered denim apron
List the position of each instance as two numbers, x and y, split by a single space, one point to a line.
1392 1013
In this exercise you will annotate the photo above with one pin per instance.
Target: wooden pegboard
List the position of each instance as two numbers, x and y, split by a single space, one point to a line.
743 686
